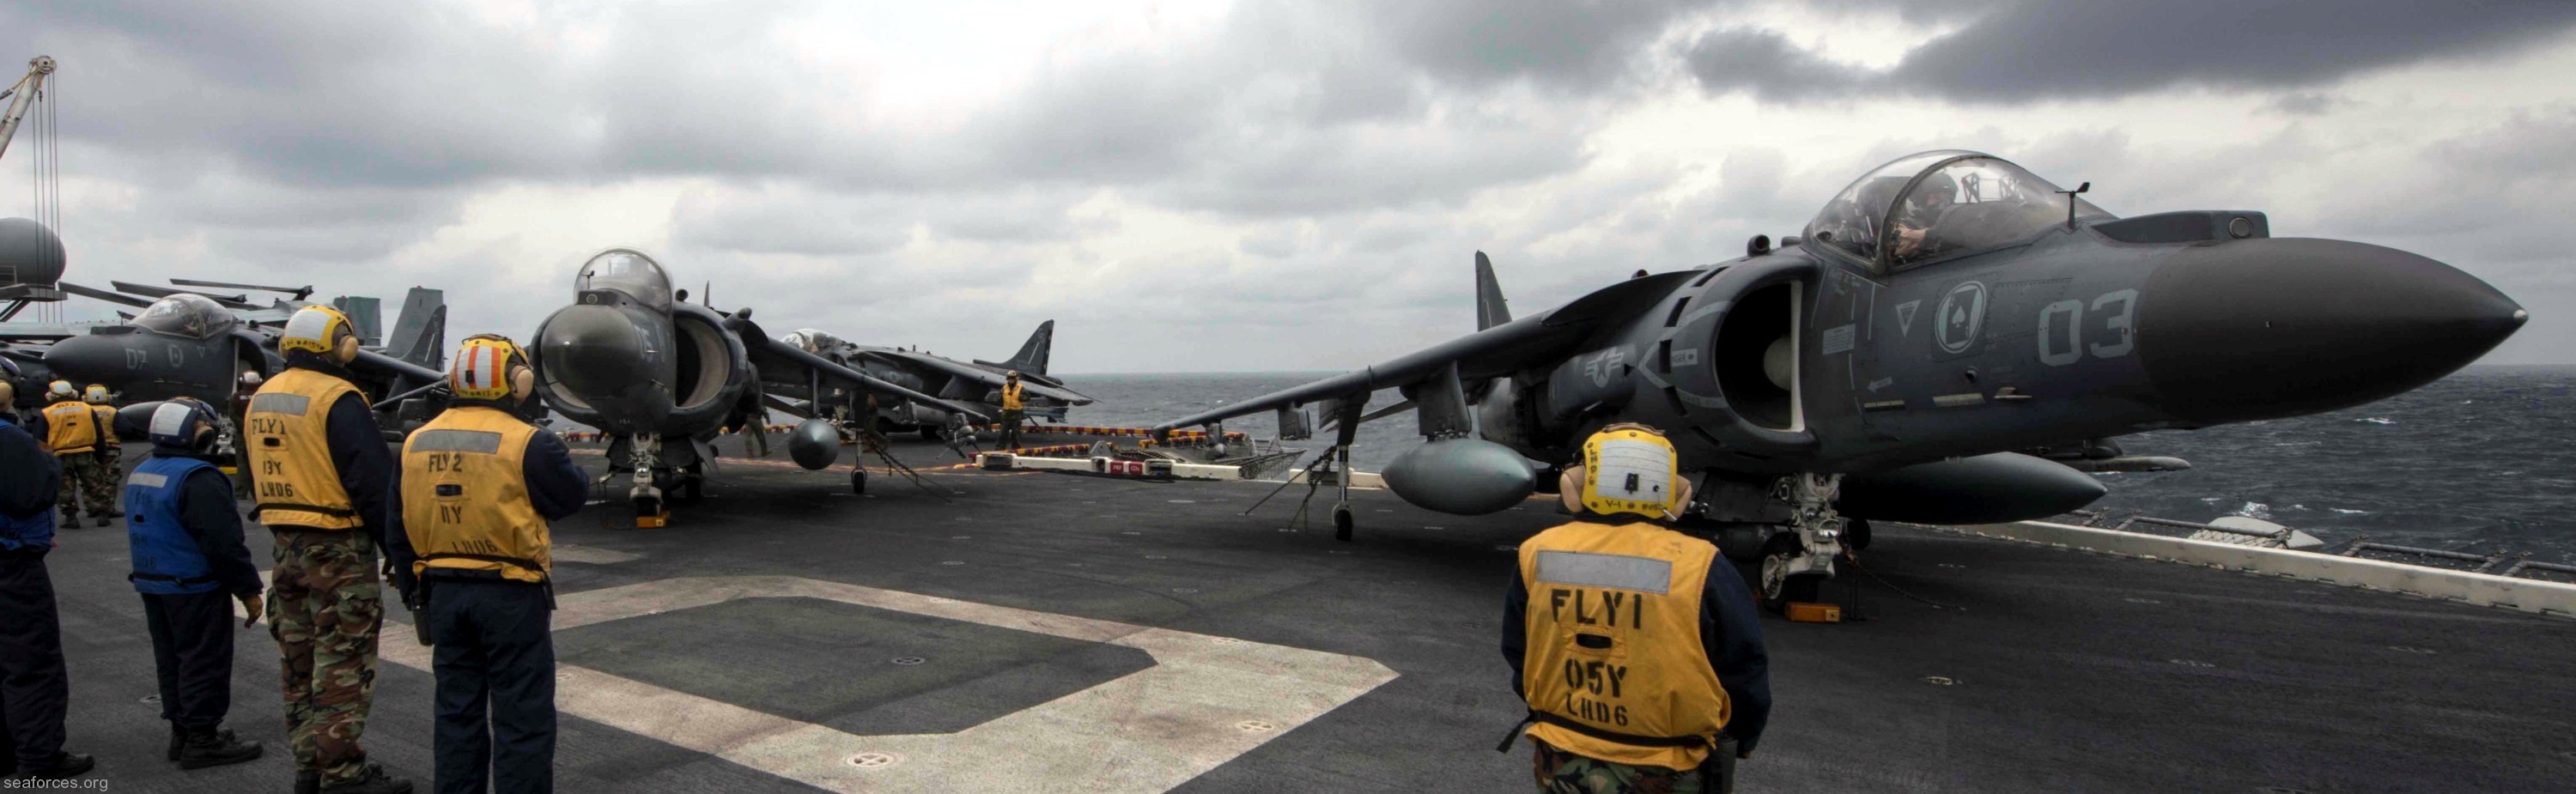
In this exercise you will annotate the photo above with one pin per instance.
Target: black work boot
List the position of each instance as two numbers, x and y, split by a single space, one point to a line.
68 765
308 782
216 748
102 520
371 780
178 739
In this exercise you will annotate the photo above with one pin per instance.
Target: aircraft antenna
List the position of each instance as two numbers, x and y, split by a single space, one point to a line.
2070 203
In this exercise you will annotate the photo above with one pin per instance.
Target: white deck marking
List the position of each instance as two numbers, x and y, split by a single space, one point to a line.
566 552
1147 731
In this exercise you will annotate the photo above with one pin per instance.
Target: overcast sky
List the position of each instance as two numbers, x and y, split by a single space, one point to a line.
1196 186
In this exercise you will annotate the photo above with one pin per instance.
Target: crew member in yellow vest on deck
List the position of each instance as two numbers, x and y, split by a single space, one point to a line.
328 491
1638 652
77 436
479 485
1014 410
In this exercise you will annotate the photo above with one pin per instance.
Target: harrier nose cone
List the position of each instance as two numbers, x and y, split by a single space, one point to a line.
599 357
89 359
2264 328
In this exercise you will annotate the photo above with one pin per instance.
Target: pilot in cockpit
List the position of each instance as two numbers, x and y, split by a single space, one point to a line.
1921 211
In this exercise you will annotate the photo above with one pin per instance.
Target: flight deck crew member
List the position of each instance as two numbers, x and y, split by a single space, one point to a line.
1639 654
1012 410
75 434
329 492
111 450
34 689
190 565
479 485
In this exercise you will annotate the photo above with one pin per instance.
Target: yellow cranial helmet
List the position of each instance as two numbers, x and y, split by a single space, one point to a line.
61 390
317 329
490 367
96 394
1627 468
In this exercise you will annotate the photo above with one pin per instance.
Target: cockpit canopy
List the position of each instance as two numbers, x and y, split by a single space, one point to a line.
1936 205
192 316
628 271
810 340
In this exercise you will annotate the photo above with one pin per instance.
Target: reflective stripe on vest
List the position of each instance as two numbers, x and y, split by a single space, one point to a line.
70 427
465 496
167 560
32 531
289 439
1615 669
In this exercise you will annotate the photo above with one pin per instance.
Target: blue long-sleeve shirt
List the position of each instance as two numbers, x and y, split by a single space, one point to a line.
1730 634
207 512
32 475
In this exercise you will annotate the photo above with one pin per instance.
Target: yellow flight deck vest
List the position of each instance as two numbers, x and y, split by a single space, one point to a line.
1614 650
465 496
1011 396
106 426
290 451
70 427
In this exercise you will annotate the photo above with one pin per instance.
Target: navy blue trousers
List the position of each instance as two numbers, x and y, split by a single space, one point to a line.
495 665
192 649
34 690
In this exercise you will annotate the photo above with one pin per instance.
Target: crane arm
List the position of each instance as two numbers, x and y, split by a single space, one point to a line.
24 96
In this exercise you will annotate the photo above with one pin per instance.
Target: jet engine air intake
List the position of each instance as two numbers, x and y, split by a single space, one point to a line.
703 363
1756 357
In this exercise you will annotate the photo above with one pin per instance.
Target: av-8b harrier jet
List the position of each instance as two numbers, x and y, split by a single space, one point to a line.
662 377
193 343
1944 310
978 382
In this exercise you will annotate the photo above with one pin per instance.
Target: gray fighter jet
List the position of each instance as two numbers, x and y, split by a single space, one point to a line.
1944 310
198 344
978 382
633 358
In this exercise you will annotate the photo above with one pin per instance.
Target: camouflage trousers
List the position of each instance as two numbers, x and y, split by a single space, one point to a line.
88 476
325 609
1561 772
1010 435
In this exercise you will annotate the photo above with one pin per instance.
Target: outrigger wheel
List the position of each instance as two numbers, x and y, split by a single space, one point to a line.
858 481
1342 522
1778 587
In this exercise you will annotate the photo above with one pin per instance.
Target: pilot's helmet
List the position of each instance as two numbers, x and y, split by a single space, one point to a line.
95 395
1627 468
1936 189
182 423
61 390
319 329
490 367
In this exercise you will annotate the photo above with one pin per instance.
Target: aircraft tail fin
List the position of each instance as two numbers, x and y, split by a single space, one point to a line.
420 332
1491 310
1032 358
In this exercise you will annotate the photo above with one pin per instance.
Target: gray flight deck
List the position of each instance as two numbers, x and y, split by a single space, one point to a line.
1031 596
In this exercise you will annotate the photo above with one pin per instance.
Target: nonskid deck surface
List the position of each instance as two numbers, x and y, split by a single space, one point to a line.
1043 632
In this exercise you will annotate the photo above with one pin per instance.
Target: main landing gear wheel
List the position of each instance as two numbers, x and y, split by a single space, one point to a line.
858 481
1342 522
1856 534
1778 587
693 483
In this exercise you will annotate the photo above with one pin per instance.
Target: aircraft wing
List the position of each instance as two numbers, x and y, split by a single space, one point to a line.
767 352
1493 352
924 362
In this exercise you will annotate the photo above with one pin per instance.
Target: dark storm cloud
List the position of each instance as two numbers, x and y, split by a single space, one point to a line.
1566 44
2035 50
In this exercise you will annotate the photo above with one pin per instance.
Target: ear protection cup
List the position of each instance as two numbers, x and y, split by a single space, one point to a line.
523 382
1569 489
1681 498
347 350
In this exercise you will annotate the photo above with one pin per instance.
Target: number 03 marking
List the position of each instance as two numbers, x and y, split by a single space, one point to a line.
2119 325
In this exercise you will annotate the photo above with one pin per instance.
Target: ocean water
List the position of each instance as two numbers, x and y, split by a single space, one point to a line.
2482 461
